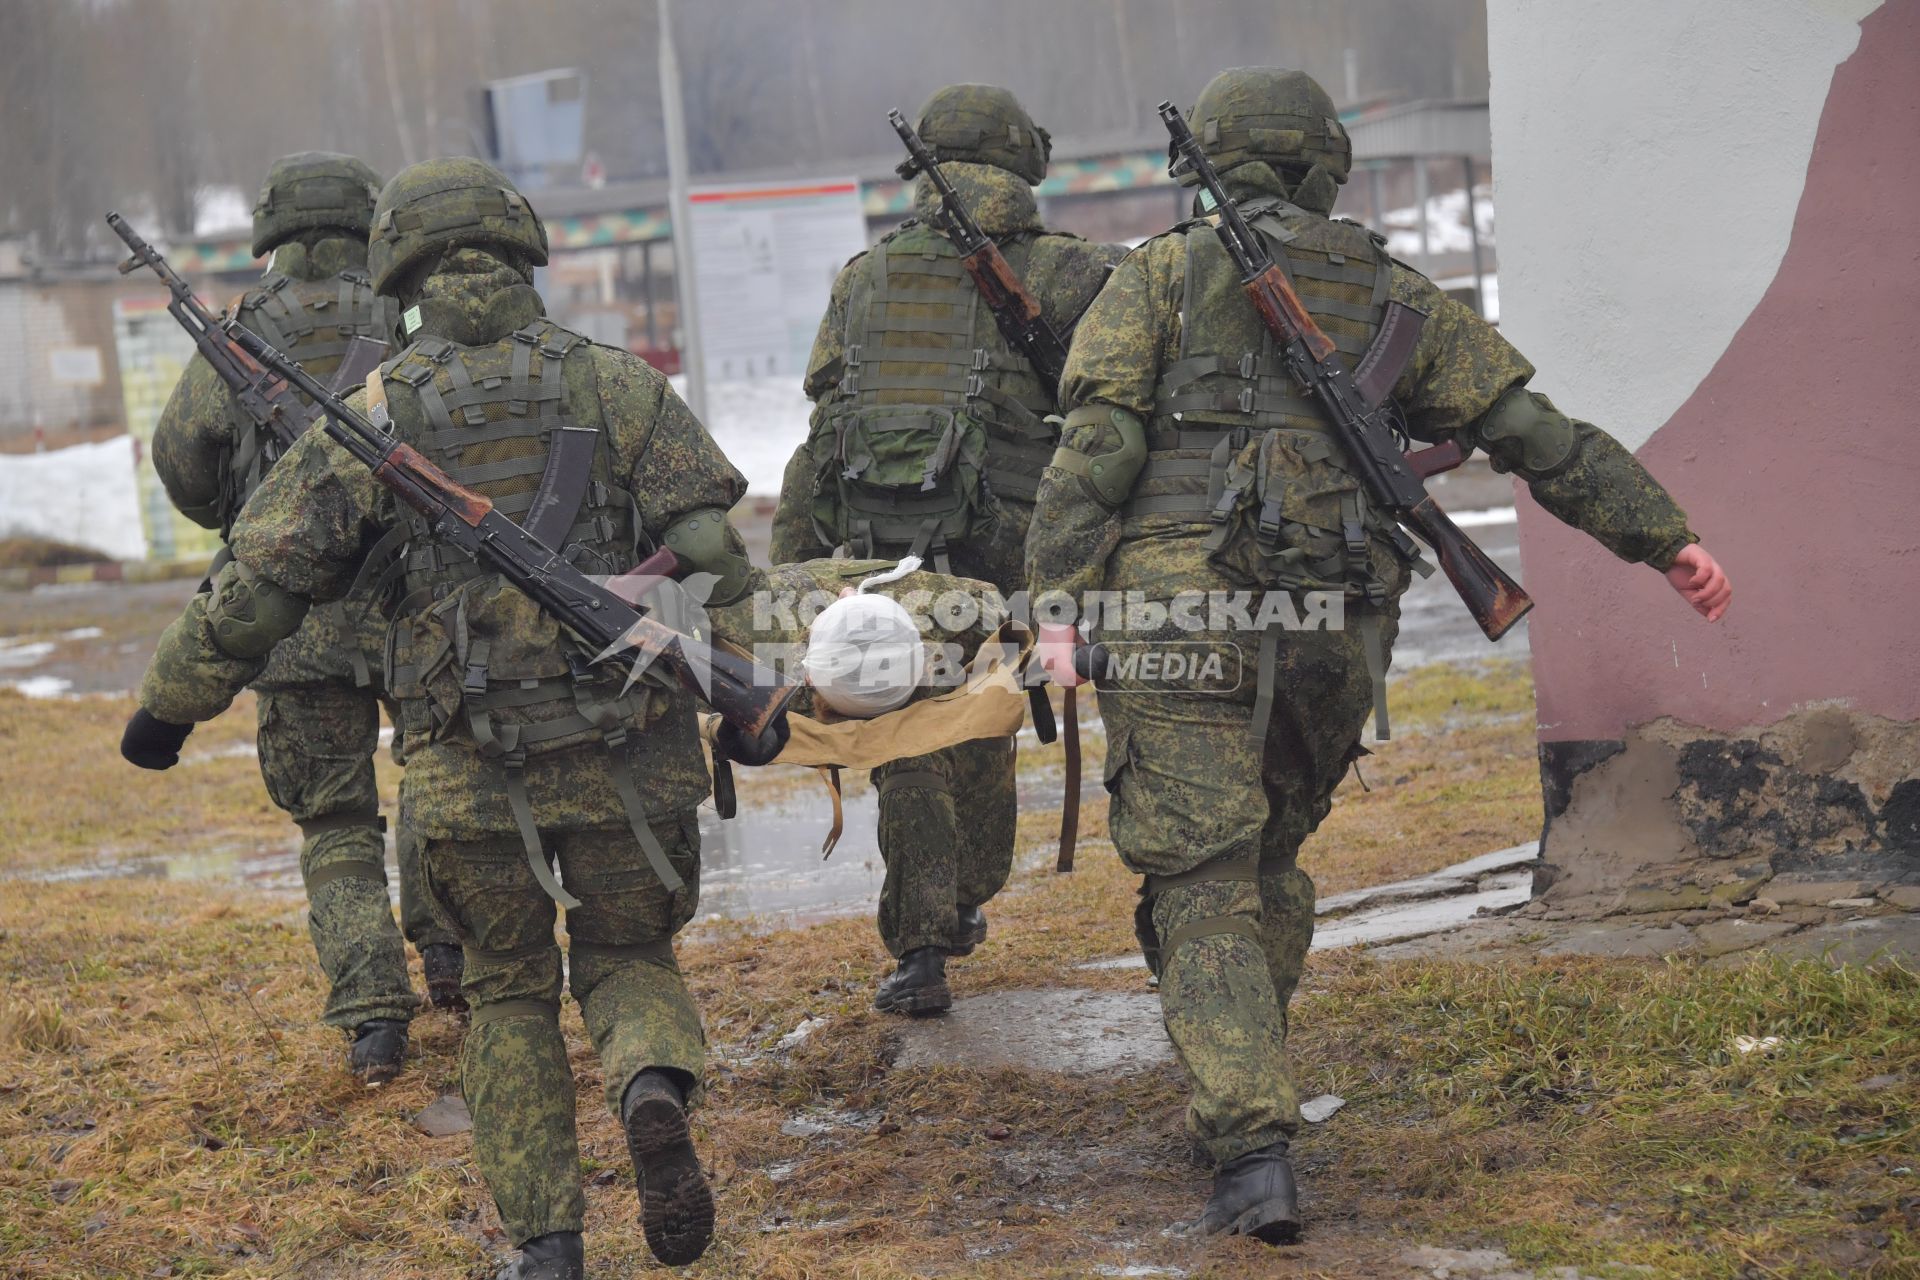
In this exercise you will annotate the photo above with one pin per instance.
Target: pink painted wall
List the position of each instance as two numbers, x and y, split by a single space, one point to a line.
1797 459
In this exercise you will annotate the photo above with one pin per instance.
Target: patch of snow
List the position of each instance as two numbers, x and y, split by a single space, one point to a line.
221 211
38 686
23 654
82 633
758 423
1446 218
82 495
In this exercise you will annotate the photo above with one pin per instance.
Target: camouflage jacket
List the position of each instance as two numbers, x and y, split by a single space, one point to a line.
1063 271
1461 367
318 512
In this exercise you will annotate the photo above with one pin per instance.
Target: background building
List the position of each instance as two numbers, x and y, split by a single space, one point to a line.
1707 222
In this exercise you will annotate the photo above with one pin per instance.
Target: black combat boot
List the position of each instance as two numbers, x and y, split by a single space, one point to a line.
558 1255
444 964
972 932
676 1208
379 1047
1254 1196
918 987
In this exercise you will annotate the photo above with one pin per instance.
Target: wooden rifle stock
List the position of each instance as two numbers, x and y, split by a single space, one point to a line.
1491 595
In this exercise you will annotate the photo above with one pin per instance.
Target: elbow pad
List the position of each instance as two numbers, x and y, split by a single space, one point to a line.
1524 433
248 614
706 541
1109 476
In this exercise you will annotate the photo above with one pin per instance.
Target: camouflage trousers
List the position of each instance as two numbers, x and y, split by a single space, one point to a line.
946 835
1214 820
316 745
621 969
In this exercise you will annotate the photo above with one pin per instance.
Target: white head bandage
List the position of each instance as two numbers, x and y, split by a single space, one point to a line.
864 655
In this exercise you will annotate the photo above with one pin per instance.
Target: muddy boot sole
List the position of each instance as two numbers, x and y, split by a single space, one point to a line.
917 1002
676 1207
377 1058
1274 1222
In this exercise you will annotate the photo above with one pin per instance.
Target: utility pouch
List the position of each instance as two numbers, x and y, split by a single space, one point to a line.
902 475
1286 516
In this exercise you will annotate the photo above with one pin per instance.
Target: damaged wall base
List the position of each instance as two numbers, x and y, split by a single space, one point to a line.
1823 805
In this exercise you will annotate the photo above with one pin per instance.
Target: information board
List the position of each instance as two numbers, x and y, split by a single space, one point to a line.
764 260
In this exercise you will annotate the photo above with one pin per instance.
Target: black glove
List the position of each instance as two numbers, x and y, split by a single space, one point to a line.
151 742
736 746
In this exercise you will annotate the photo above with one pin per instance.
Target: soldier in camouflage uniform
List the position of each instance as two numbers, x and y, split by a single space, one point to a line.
909 361
1190 461
319 696
522 752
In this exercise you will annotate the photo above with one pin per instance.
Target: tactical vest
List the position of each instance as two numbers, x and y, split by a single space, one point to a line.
935 412
1240 454
312 321
469 657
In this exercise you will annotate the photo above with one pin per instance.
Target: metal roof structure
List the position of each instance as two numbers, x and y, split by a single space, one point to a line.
1427 130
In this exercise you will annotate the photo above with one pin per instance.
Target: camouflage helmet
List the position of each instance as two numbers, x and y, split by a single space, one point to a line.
454 203
984 124
1268 113
309 190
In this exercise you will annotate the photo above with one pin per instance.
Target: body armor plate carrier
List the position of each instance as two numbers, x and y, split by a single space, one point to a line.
1236 445
469 657
313 321
935 415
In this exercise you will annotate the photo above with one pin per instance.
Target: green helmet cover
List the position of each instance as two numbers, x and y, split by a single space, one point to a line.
309 190
1272 114
983 124
437 205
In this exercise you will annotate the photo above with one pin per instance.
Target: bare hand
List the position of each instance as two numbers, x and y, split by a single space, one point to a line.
1700 580
1055 647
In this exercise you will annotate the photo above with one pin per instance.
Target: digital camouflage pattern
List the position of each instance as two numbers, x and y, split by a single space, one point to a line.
946 835
1214 820
621 970
457 202
320 692
308 528
983 124
931 869
951 860
1063 272
313 191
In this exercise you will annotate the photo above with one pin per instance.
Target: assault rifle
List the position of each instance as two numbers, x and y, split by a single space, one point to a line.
1363 428
264 397
1015 310
748 696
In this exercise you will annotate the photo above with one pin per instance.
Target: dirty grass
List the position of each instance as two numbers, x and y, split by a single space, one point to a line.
68 799
194 1120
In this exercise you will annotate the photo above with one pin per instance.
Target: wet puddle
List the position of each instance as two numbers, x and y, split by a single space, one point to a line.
763 866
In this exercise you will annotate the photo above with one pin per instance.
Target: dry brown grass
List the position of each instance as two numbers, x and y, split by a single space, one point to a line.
169 1106
68 798
1572 1112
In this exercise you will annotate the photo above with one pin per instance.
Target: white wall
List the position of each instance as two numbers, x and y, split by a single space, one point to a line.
1648 158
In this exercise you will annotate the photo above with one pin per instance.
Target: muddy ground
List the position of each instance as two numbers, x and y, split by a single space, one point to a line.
168 1106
